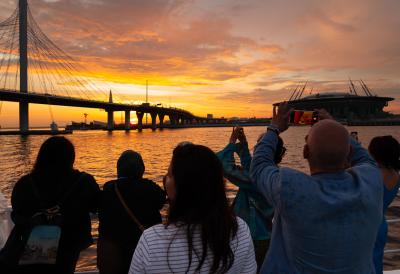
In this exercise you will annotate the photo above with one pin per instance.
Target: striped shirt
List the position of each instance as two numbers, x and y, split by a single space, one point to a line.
165 250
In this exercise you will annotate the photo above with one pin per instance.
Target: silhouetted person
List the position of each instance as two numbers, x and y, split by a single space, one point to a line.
249 204
202 235
386 151
325 222
52 183
119 232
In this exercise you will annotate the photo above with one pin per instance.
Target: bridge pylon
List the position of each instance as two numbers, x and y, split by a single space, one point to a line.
23 64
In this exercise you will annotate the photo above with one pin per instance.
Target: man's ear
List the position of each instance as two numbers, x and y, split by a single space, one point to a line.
306 151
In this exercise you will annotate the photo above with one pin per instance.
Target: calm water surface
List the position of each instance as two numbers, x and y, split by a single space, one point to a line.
97 153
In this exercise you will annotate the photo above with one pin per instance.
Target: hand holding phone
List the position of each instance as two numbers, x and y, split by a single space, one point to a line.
242 136
235 135
354 135
303 117
281 116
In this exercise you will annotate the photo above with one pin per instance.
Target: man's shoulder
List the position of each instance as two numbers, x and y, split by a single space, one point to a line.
294 184
366 168
289 175
368 174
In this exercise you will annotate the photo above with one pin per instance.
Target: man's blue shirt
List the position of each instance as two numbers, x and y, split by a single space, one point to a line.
324 223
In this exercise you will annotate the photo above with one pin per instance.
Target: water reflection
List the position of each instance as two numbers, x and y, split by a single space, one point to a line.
97 153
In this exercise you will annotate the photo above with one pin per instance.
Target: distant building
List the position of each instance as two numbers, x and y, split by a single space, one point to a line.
210 116
343 105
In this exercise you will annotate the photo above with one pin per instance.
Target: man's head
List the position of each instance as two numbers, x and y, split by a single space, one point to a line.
327 147
130 164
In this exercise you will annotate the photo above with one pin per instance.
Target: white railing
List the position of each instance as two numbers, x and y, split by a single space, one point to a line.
393 221
395 250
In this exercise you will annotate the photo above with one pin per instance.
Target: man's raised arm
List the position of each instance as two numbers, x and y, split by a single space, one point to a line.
360 155
263 170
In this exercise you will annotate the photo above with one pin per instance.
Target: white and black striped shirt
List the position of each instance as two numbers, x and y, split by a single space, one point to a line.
165 250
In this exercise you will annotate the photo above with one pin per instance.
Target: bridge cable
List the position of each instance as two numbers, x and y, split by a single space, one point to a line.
9 56
50 65
8 52
62 57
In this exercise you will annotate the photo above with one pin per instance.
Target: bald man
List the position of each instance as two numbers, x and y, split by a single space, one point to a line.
325 222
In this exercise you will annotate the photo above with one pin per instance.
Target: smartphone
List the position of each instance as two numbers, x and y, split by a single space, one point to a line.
303 117
354 135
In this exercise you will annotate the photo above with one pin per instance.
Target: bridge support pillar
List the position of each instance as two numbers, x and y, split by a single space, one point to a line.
127 119
161 118
23 117
110 120
153 121
182 121
172 120
139 116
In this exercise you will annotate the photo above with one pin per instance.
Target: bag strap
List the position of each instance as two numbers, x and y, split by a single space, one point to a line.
128 210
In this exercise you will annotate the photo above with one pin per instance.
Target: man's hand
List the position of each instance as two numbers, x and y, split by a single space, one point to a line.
280 118
323 114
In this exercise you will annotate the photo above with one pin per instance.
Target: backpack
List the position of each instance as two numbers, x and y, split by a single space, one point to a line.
37 242
42 244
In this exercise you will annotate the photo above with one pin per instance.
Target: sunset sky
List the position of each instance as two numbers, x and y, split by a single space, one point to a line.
226 57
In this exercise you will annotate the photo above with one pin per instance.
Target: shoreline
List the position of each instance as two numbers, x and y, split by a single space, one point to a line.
41 131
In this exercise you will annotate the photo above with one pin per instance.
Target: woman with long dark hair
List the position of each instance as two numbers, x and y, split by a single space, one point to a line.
386 152
202 234
55 194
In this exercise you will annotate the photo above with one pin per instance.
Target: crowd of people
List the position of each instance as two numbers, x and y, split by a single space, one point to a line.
331 220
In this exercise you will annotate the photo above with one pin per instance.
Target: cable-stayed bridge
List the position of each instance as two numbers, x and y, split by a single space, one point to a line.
35 70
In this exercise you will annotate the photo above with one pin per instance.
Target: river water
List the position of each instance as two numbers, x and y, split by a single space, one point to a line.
97 153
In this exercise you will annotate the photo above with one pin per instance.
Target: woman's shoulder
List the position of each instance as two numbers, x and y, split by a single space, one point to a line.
162 234
243 229
160 230
108 186
23 181
83 177
84 181
149 183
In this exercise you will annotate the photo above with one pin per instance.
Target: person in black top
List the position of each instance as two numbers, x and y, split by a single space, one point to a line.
122 218
52 180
